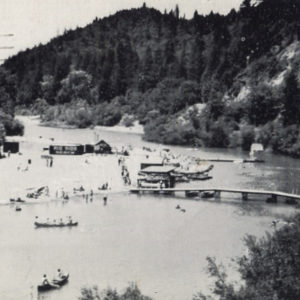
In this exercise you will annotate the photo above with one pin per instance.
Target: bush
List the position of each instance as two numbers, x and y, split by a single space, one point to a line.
218 136
247 137
132 292
270 270
128 120
12 126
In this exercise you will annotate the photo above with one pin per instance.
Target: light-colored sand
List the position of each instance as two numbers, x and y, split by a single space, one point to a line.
18 177
136 128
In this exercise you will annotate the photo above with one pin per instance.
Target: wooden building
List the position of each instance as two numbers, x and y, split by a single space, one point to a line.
102 148
156 177
88 148
66 149
156 162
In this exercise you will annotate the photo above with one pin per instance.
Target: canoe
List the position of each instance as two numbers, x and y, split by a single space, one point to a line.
62 281
38 224
16 200
55 284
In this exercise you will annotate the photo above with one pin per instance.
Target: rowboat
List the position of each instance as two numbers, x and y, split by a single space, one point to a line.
16 200
39 224
55 284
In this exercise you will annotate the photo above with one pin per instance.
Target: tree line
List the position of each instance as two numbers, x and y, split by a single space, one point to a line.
182 79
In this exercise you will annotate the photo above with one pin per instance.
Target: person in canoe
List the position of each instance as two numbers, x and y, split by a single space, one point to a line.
46 285
45 281
69 221
60 275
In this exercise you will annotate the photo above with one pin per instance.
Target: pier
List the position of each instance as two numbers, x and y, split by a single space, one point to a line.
216 193
233 160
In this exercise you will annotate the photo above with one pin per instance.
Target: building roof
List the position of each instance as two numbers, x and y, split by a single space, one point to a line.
101 143
65 144
158 169
155 160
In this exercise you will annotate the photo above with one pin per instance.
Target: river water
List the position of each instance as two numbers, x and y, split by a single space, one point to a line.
141 239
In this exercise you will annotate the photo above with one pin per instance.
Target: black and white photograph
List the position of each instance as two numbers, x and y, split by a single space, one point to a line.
149 149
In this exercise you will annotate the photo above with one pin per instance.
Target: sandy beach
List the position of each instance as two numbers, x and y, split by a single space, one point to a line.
28 171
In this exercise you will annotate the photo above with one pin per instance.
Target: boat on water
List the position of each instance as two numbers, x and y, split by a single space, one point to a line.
187 176
16 200
55 284
68 224
207 194
196 173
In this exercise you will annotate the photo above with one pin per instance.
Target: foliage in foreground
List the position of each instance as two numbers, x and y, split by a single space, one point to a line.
270 270
132 292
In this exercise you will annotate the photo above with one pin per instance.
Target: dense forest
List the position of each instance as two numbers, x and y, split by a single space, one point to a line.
216 81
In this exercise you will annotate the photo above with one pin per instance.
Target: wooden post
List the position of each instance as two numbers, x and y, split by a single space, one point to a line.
217 195
245 196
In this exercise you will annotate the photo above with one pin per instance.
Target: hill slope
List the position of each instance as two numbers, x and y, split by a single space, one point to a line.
214 80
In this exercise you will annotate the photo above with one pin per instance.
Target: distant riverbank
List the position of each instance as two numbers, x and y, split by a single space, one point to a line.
135 128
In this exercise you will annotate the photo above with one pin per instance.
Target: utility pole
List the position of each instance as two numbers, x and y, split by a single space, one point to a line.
6 35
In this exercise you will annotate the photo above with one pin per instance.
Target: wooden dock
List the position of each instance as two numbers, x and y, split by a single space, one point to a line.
233 160
245 193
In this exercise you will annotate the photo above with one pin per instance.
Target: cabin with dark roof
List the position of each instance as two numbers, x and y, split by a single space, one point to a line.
88 148
102 148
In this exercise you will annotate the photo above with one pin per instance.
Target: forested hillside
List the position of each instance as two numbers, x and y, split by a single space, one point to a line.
219 81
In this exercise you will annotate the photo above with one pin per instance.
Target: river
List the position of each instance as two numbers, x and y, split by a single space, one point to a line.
141 239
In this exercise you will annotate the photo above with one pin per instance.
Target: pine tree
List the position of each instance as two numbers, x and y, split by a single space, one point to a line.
177 12
291 104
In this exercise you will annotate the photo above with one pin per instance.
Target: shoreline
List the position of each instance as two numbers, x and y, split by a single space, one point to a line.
135 129
30 168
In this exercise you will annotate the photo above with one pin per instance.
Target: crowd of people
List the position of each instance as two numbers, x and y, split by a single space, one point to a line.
124 171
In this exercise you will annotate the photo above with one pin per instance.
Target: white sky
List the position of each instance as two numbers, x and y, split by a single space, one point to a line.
37 21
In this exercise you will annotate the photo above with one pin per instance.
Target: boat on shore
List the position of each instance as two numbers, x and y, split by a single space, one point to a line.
47 225
55 284
198 173
187 176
